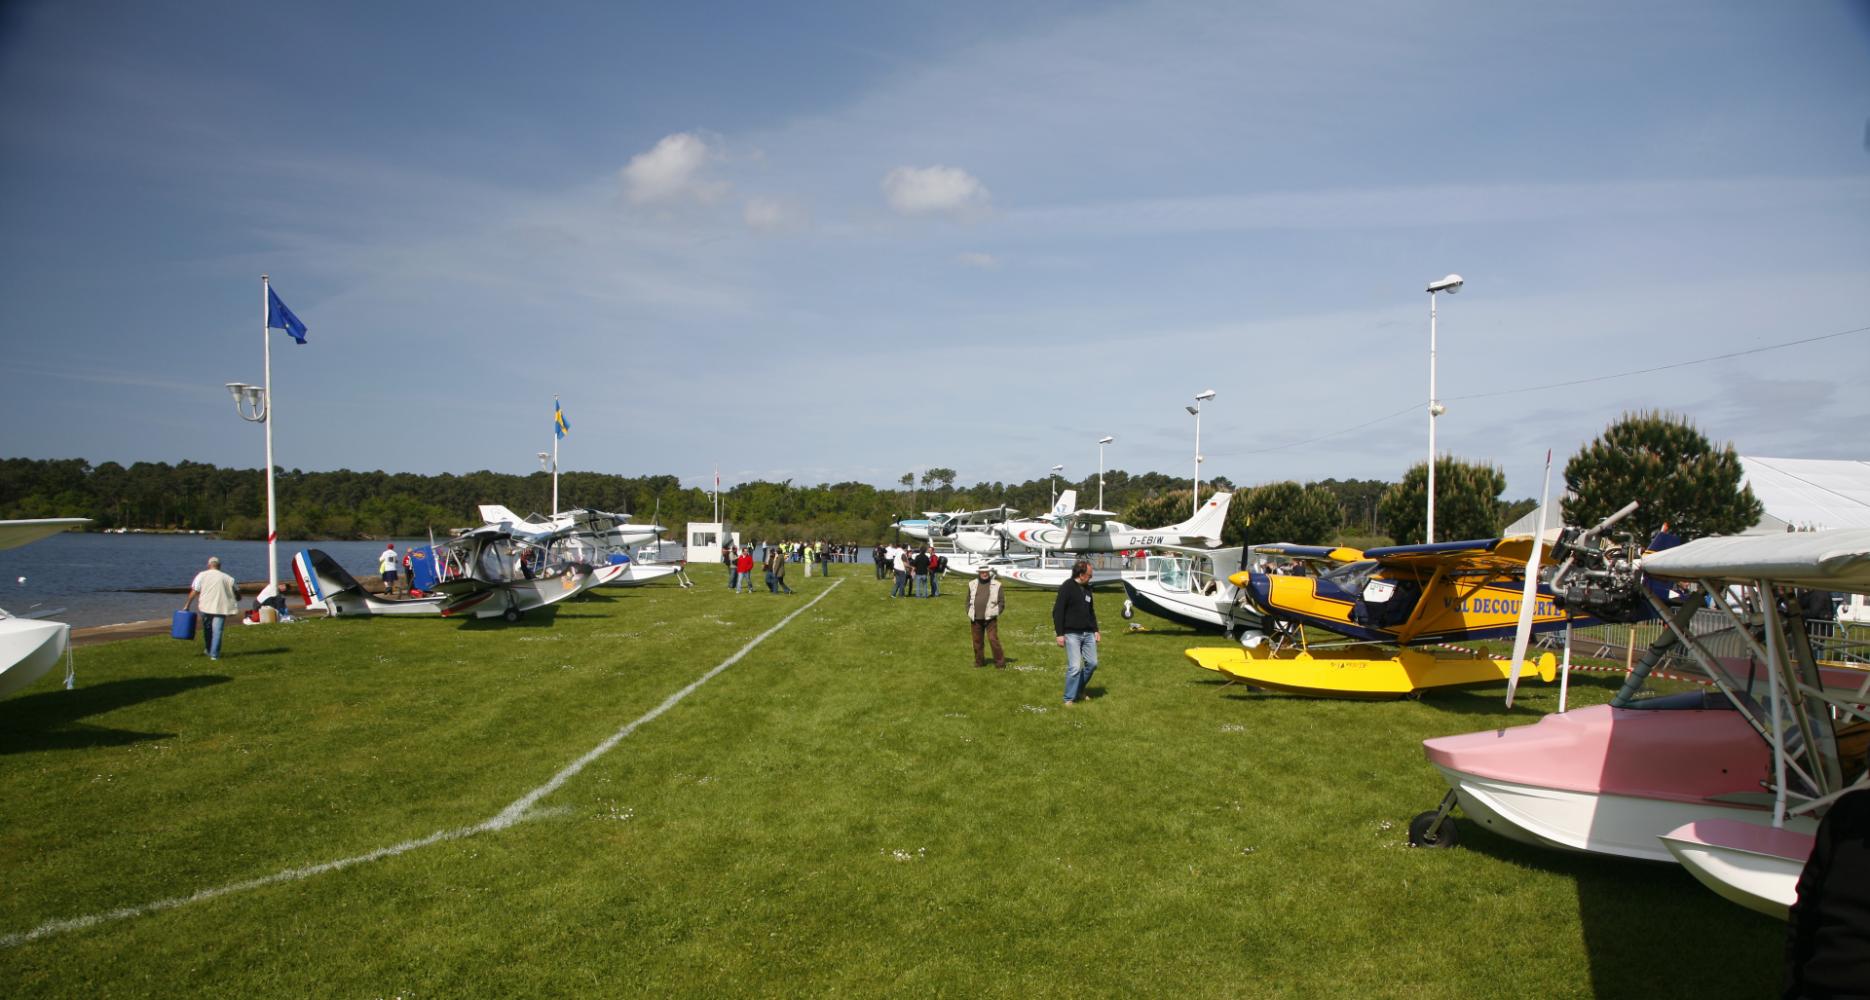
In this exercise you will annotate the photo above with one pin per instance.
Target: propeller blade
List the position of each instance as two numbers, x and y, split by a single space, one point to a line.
1529 595
1564 676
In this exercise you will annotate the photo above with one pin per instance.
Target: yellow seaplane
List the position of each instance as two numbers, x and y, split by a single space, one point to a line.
1378 623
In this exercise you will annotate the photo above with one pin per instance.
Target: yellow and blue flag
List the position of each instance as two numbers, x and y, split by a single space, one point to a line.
560 425
280 318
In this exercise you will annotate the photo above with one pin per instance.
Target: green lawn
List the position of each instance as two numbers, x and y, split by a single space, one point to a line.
851 809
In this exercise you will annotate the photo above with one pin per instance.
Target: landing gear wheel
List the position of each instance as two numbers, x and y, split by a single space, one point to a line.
511 615
1129 611
1419 835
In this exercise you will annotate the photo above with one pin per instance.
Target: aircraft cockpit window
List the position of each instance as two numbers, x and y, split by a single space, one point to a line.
1349 579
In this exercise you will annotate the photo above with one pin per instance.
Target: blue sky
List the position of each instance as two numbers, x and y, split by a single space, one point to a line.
848 241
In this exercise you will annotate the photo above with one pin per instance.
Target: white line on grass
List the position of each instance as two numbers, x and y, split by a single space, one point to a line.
521 809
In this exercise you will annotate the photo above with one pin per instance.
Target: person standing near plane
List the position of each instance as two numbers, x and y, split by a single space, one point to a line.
898 557
386 565
779 572
920 563
743 569
986 601
1074 622
219 598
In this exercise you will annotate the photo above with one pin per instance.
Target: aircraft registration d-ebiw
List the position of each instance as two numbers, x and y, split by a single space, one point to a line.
485 573
1098 531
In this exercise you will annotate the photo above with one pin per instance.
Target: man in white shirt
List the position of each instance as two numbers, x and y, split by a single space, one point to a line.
219 598
386 565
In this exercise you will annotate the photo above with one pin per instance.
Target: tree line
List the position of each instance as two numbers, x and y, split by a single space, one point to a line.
1658 459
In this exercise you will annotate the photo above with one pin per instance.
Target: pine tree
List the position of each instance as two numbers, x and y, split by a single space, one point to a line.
1283 512
1673 472
1467 502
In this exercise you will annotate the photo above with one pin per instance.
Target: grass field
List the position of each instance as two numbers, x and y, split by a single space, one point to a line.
850 809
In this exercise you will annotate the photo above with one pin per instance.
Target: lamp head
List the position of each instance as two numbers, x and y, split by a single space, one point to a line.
1105 440
1209 394
1058 468
1451 284
238 390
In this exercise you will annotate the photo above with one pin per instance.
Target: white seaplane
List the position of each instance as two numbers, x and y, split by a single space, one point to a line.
1191 586
1087 531
1729 784
610 529
28 646
486 573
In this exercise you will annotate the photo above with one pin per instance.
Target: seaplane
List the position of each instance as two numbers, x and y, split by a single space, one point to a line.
484 573
1087 531
1191 586
1390 617
1730 782
611 529
29 647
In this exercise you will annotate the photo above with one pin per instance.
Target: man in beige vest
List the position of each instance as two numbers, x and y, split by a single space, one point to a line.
219 599
986 599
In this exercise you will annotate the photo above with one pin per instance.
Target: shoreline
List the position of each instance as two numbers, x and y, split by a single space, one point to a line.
92 635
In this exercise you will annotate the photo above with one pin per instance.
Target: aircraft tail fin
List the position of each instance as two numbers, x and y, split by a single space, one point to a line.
321 578
494 513
1208 521
1067 503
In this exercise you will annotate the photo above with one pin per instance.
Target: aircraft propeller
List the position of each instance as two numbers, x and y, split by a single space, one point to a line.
1529 595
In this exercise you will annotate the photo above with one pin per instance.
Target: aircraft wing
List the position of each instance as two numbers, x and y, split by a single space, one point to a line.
1503 557
1325 553
17 533
1819 560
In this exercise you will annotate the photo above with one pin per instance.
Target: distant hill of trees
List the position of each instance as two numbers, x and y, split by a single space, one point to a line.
346 504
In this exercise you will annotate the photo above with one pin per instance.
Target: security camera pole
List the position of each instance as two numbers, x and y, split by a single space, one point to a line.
1451 284
1200 397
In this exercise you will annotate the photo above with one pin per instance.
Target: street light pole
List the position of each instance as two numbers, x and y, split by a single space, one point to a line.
1450 284
1056 469
1101 442
254 403
1200 398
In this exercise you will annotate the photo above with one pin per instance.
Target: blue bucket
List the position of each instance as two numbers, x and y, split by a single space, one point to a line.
182 626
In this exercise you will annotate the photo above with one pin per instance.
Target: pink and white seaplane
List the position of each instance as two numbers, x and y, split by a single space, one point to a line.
1730 783
29 647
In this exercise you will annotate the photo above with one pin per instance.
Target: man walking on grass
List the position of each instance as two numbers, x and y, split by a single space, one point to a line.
219 599
986 600
1074 621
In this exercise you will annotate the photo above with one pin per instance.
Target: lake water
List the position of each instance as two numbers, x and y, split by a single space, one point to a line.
93 576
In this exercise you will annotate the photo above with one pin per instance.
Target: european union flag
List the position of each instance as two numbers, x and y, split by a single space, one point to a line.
559 424
280 318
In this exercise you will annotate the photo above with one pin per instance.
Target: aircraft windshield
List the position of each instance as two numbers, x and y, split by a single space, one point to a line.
1350 577
1170 571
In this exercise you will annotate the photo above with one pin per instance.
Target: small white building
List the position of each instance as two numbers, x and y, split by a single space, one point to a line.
703 540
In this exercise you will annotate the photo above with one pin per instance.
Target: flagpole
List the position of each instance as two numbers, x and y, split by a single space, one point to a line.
272 522
555 436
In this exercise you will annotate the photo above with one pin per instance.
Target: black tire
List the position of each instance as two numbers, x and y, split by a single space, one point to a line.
1448 836
512 614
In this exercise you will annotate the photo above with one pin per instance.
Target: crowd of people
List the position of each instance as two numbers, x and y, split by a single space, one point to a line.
773 558
918 570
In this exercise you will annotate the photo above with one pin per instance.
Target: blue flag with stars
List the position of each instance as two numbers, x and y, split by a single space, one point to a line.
278 317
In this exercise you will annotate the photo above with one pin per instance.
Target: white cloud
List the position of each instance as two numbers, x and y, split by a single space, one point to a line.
935 191
975 258
672 171
775 215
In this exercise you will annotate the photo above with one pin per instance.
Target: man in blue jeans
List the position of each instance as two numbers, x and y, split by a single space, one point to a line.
1074 621
219 599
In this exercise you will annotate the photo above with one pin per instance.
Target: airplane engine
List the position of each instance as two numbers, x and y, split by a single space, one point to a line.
1599 577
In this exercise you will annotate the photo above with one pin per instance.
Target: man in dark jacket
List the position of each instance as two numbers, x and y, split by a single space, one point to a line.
1074 621
1828 934
921 566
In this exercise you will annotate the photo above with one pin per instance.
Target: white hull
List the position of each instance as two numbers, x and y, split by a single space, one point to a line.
1760 873
1048 578
29 648
1594 823
635 574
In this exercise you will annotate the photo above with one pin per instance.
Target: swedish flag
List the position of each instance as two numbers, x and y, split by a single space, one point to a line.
560 425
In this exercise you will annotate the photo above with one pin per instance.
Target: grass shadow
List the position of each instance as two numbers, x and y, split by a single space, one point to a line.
536 618
266 651
49 720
